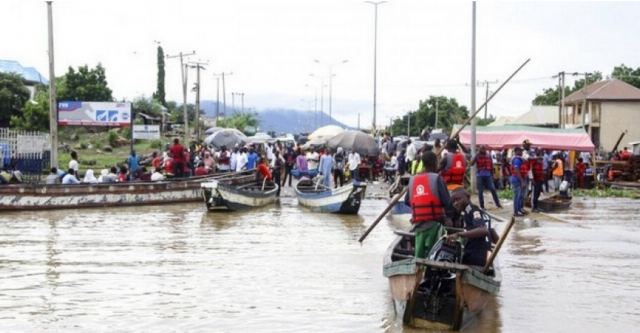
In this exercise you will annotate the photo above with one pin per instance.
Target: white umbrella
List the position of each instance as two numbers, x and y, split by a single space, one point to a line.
226 137
325 132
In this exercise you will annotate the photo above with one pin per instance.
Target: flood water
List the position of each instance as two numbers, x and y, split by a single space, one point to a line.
284 269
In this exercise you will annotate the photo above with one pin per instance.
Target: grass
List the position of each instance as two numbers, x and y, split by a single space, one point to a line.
96 157
587 193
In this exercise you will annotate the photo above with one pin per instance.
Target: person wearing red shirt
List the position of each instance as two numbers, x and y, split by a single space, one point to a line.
581 169
537 170
156 161
169 166
201 170
177 151
625 155
263 171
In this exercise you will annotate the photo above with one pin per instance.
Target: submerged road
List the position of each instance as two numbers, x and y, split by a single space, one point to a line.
284 269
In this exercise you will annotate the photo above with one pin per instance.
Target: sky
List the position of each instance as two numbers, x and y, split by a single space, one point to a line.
272 48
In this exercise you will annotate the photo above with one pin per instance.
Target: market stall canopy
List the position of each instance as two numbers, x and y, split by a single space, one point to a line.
228 137
260 138
509 136
325 132
360 142
212 130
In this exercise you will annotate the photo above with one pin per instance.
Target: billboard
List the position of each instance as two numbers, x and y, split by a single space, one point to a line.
94 113
146 131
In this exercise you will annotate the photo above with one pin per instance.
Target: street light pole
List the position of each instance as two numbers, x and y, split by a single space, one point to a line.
473 94
53 117
375 59
198 66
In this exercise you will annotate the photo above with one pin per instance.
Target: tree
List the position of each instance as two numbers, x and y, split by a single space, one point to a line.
627 74
13 95
551 96
159 95
35 114
149 106
239 121
449 113
85 84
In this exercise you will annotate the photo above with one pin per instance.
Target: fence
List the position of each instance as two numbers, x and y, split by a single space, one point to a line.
26 151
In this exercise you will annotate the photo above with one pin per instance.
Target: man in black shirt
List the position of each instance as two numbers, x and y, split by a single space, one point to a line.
476 229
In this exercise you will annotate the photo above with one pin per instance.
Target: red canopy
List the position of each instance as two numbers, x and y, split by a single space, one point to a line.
509 136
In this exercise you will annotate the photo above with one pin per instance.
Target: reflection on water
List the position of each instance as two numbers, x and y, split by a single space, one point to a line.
284 268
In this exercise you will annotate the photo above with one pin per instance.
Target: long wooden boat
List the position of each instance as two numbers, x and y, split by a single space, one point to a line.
238 194
437 293
342 200
37 197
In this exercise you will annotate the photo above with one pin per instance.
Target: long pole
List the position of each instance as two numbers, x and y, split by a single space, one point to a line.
224 97
321 102
375 65
53 117
408 124
486 95
233 101
198 103
456 133
562 110
473 95
330 89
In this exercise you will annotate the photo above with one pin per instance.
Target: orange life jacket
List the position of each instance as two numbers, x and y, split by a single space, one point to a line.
425 203
454 171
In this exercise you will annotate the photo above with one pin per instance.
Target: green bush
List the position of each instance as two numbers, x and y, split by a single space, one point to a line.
112 138
155 144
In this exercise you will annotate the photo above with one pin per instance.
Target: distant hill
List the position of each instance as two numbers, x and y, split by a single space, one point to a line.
280 120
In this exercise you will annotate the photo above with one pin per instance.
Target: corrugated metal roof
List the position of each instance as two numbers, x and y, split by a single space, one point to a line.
606 90
30 74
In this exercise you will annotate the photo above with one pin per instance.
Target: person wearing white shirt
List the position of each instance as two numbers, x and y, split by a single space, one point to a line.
242 160
411 152
354 162
70 178
73 164
157 175
313 158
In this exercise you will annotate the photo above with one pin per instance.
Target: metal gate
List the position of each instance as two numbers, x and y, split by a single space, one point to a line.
26 151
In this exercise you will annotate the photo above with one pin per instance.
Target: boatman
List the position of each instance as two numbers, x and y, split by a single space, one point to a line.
485 176
453 166
476 225
429 200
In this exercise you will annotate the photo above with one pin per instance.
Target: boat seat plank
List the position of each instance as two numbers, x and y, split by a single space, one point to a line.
405 233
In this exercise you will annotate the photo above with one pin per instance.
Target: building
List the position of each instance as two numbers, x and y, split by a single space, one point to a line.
605 109
31 75
538 116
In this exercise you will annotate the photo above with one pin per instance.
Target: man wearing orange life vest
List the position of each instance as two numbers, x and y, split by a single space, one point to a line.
453 166
430 204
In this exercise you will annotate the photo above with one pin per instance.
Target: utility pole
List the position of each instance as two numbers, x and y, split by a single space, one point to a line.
474 121
242 102
53 116
321 102
375 60
562 110
184 74
233 101
224 93
198 66
217 99
486 84
436 122
358 121
408 124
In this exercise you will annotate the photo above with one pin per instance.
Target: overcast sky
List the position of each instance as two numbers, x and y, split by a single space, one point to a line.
270 46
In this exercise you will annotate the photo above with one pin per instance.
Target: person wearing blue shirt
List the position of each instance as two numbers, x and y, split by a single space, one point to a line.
133 162
517 183
546 162
252 159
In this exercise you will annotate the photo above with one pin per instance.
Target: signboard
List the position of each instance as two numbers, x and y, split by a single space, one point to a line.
146 131
94 113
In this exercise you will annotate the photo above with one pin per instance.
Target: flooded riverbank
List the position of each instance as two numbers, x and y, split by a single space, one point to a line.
282 268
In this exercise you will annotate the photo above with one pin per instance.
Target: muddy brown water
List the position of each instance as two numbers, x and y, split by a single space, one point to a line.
284 269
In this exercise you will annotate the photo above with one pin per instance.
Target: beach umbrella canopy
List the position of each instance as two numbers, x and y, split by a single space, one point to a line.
325 132
357 141
212 130
228 137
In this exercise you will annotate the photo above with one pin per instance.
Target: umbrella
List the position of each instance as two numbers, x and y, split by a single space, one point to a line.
212 130
357 141
315 143
226 137
325 132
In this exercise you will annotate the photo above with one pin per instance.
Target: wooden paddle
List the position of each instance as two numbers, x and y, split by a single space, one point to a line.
397 197
499 245
383 214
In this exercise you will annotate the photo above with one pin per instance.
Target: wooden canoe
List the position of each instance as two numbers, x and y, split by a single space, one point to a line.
238 194
462 291
342 200
38 197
